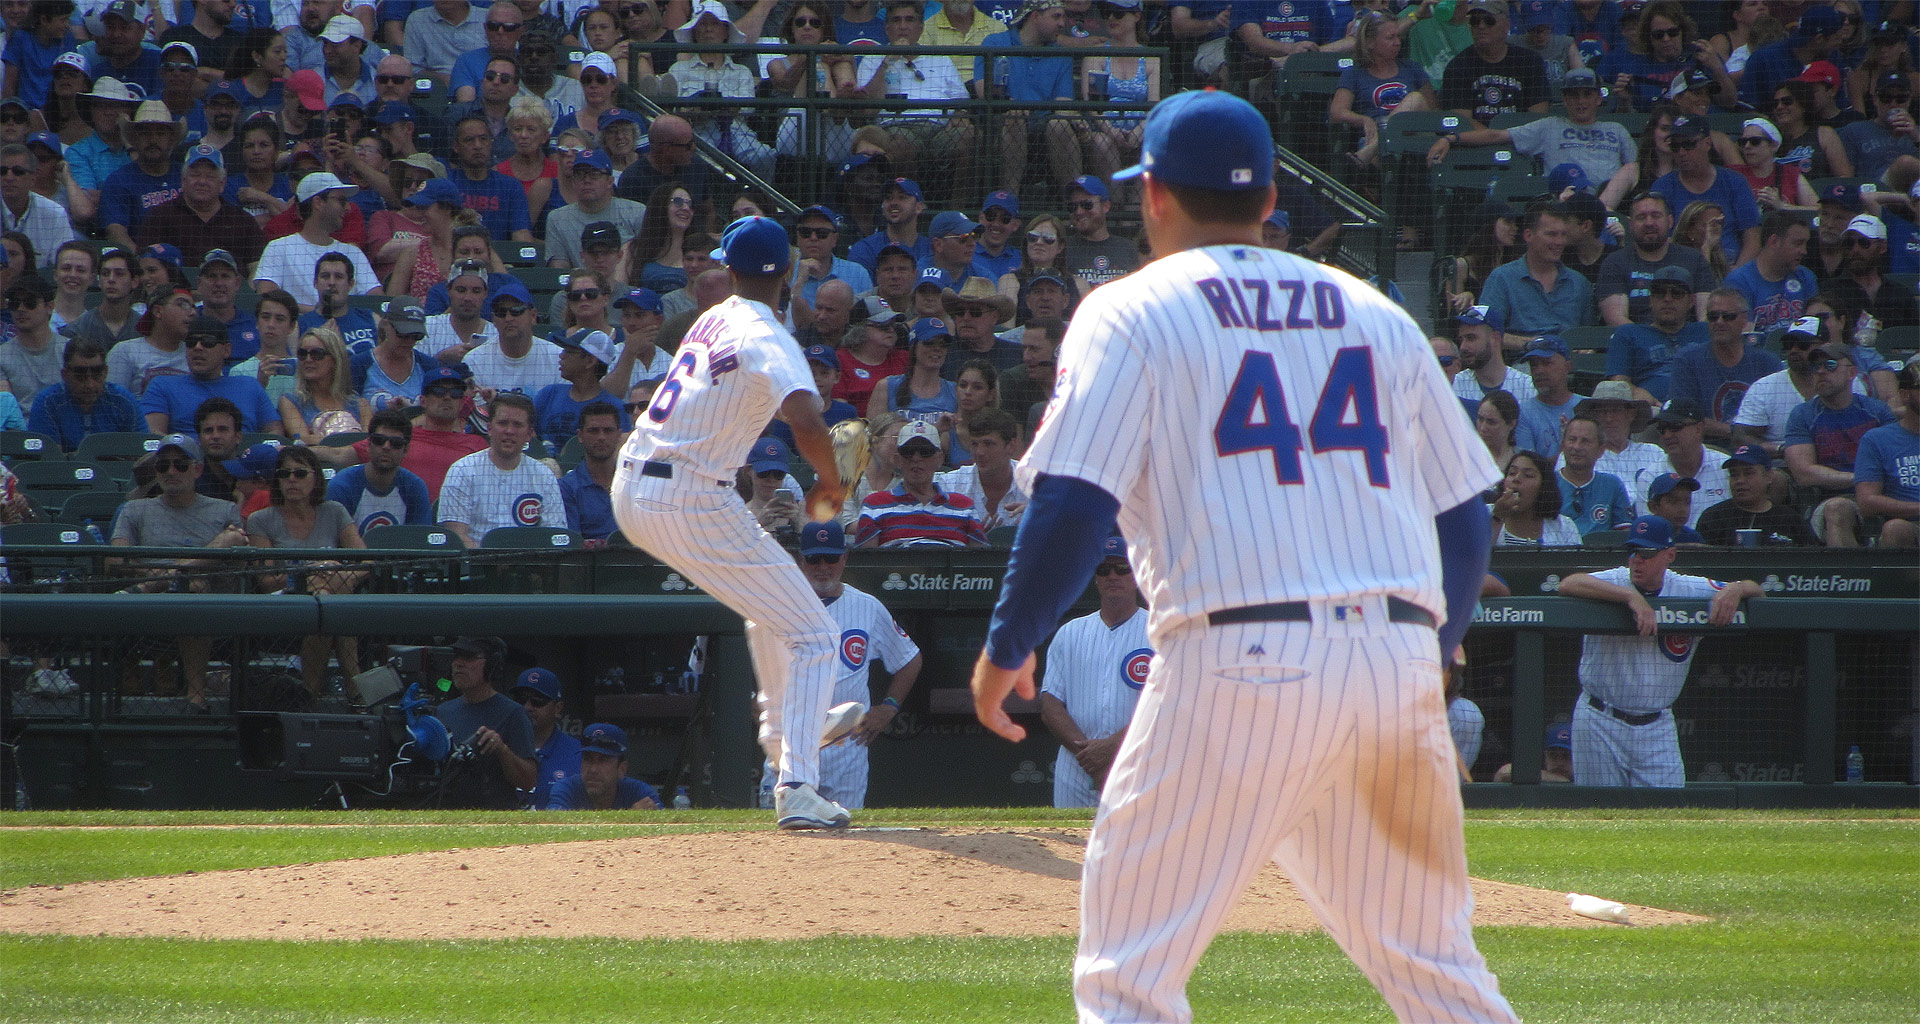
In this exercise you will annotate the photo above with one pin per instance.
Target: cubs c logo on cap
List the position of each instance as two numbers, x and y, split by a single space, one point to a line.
526 510
1133 667
853 648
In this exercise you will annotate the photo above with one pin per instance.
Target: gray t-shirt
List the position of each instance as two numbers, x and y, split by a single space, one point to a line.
328 520
152 523
27 372
1623 271
565 224
1103 261
1600 148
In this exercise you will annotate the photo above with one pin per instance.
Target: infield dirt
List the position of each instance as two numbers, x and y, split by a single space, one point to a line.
893 882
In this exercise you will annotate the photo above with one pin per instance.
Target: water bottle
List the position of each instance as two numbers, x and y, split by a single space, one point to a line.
681 801
93 533
1856 765
766 796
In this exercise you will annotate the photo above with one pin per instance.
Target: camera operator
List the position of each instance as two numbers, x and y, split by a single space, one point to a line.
489 728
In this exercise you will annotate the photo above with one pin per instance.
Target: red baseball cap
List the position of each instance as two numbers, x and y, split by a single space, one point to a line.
1821 72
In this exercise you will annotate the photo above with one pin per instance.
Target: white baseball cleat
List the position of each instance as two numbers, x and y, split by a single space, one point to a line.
841 720
802 807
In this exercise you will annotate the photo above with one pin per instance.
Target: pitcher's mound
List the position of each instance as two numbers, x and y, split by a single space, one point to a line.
722 885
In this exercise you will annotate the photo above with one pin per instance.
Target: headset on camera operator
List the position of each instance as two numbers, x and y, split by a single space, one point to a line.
492 762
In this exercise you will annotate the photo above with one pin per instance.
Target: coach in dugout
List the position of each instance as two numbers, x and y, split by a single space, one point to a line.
603 783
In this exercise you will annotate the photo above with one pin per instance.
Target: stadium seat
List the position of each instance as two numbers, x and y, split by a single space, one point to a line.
116 444
26 446
1002 536
1604 539
1635 123
571 453
415 538
343 439
49 476
257 437
1587 339
1509 121
100 506
1898 341
51 569
43 533
524 254
542 280
531 538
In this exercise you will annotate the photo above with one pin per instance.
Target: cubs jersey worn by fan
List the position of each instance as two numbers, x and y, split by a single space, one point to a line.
486 497
1097 672
868 635
724 410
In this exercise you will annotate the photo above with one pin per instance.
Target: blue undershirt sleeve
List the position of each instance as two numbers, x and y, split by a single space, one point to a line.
1054 554
1466 539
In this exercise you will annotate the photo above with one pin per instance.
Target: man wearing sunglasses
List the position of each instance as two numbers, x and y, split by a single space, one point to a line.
1715 376
1096 666
82 402
1492 76
1822 439
439 436
1864 287
30 360
179 517
595 205
918 512
505 26
514 360
867 633
1642 354
170 401
210 32
382 492
45 222
1094 254
538 691
816 235
1695 178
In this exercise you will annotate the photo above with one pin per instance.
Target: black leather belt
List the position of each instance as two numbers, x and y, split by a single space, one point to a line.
1625 716
664 470
1398 610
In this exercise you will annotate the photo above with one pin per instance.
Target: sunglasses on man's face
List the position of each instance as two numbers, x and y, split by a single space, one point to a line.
814 232
502 76
1828 365
1718 316
392 79
1446 361
450 391
172 465
1683 142
534 700
824 559
386 441
505 26
1113 569
13 118
24 302
1754 140
1482 20
87 372
205 342
513 310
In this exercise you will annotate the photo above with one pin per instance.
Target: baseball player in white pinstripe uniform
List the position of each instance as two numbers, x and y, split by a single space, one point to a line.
673 496
1623 732
1096 667
1300 494
866 633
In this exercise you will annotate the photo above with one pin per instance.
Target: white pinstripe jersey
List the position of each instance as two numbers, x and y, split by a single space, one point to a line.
1233 383
1639 673
1517 384
485 497
867 632
1097 671
732 370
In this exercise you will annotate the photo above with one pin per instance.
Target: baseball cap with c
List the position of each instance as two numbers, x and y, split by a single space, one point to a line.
1650 533
769 454
1749 454
1206 139
604 738
540 681
826 538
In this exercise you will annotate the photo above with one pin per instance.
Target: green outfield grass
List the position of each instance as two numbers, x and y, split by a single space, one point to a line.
1816 918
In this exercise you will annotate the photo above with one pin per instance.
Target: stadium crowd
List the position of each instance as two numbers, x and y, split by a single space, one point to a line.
350 265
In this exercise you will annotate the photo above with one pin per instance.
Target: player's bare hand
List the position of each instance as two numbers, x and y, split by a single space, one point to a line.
1643 620
991 684
873 723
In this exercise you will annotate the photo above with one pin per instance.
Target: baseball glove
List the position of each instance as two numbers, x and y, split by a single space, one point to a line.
852 446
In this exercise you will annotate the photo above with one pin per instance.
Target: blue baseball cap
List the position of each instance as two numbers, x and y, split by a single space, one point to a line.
859 160
823 355
768 454
617 115
931 277
1115 546
1476 315
1650 532
394 112
226 88
1281 219
1843 194
1565 176
540 681
49 140
509 288
1751 454
1532 14
182 442
1560 736
825 212
165 253
1001 200
436 190
256 463
1091 185
642 299
443 375
755 246
604 738
907 185
594 158
929 327
1665 483
1544 346
952 222
1206 139
826 538
1045 274
207 154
